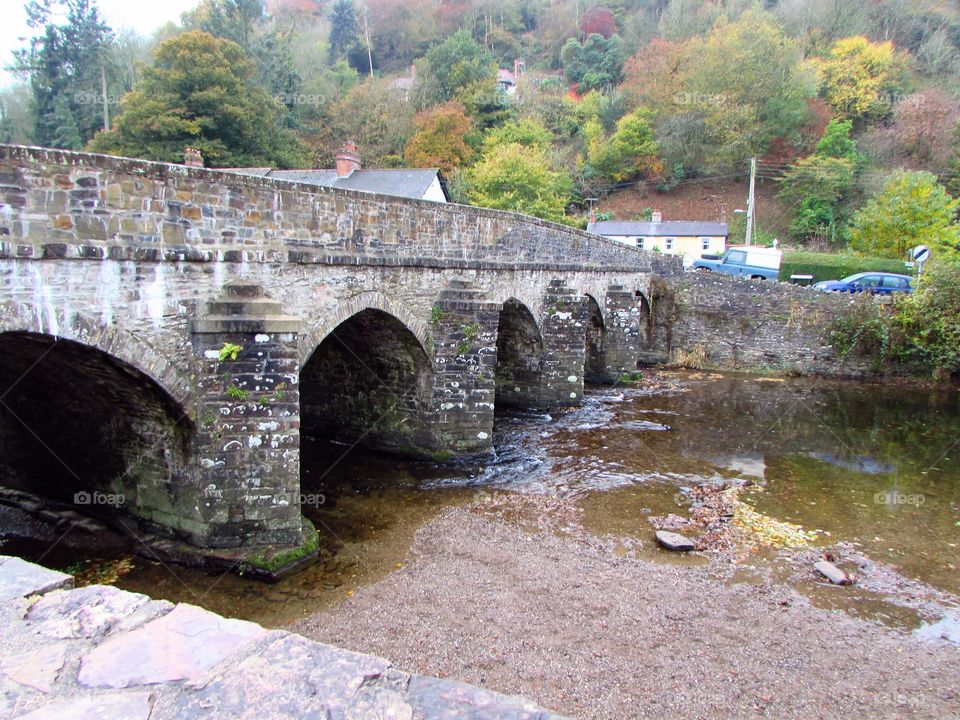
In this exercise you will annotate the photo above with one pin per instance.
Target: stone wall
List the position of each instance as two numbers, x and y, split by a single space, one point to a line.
758 326
66 204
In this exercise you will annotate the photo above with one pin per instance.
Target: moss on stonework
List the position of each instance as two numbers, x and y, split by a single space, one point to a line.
272 559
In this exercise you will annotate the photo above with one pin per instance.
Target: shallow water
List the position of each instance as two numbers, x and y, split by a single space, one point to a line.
874 465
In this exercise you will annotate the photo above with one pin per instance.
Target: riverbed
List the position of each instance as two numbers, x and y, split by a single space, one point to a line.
455 570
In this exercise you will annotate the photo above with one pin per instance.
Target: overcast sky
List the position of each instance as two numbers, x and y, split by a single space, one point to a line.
144 16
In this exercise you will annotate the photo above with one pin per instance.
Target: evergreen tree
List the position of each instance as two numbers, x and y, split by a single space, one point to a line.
66 64
343 29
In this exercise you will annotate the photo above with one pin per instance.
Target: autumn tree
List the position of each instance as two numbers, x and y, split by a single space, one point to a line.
373 115
519 178
919 133
440 139
861 79
912 209
201 93
750 85
599 21
629 153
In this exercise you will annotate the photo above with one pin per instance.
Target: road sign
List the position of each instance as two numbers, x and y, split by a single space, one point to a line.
921 253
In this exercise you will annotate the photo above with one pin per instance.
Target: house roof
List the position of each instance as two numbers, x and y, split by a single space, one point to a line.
407 183
670 228
506 76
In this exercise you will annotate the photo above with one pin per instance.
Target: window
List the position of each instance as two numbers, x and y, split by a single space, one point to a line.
640 242
704 243
870 281
895 283
669 244
737 257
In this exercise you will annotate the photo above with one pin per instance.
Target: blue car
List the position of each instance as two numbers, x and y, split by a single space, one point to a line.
876 283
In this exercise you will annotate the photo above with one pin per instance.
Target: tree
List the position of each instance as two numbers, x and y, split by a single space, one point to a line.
67 65
455 64
837 143
750 86
519 178
918 136
343 29
440 139
817 186
201 93
234 20
526 131
630 152
861 79
596 64
599 21
912 209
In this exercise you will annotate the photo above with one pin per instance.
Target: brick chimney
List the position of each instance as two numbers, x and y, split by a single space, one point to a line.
347 160
192 157
656 216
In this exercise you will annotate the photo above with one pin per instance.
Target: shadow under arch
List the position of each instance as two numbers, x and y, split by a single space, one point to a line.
81 426
520 354
345 309
113 341
368 382
595 365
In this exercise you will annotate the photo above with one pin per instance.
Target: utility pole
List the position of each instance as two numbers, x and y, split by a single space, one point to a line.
750 200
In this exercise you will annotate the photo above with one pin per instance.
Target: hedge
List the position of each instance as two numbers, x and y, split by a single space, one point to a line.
826 266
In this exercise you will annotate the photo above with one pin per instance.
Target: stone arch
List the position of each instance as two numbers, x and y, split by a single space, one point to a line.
520 356
83 427
347 308
111 340
368 382
595 362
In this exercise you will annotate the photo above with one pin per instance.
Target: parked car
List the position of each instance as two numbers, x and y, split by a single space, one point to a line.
877 283
745 260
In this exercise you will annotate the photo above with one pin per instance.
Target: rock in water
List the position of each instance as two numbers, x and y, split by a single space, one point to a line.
674 541
832 573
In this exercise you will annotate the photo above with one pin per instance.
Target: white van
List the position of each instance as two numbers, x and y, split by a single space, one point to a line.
745 260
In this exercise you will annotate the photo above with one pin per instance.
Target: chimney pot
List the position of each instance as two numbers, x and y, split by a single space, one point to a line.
192 157
347 160
656 216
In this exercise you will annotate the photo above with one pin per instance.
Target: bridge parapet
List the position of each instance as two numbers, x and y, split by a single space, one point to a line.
60 204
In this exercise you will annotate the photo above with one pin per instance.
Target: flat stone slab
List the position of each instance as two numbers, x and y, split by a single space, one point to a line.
182 645
674 541
832 573
115 706
304 678
19 578
92 611
36 668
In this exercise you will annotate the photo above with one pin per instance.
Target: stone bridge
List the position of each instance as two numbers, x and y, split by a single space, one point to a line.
169 334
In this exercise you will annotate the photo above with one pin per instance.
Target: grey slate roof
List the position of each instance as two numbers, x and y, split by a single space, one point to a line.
399 183
669 228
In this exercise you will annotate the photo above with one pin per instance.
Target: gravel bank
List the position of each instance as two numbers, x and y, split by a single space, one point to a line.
505 601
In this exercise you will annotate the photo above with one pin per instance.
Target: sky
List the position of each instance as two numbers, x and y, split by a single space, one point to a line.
143 16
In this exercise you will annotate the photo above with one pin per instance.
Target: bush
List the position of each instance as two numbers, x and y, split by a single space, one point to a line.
928 320
827 266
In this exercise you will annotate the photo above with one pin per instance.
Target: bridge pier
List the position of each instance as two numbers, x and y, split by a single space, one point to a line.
564 344
622 332
463 330
248 429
